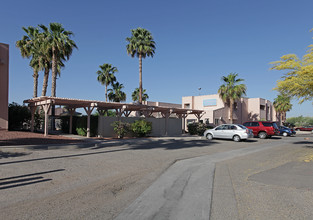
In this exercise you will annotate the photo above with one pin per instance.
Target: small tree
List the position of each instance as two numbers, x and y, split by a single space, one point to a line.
121 128
141 128
18 114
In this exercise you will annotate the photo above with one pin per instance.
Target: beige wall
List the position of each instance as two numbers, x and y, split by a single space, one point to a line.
247 109
4 85
174 126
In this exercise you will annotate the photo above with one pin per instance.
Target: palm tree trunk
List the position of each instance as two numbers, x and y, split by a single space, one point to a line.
140 78
281 118
35 83
45 83
54 73
106 93
231 111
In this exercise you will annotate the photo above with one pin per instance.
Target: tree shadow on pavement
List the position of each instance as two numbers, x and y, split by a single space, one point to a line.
11 154
141 144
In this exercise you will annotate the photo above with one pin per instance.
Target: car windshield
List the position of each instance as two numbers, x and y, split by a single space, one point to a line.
275 125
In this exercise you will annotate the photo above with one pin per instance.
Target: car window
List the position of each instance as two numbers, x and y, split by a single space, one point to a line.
254 124
275 125
233 127
267 124
247 124
219 127
241 126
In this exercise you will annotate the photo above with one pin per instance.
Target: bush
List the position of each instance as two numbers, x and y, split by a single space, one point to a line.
197 128
121 128
81 126
141 128
18 114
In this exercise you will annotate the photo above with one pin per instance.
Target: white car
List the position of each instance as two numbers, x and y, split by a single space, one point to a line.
229 131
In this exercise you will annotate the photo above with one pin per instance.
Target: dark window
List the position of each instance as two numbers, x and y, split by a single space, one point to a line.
254 124
232 127
247 124
262 107
267 124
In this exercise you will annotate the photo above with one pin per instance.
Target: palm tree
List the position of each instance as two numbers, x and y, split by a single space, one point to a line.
141 44
135 95
29 47
231 91
116 94
58 42
106 76
282 105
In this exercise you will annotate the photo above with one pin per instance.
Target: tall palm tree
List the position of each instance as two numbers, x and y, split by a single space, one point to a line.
282 105
141 44
135 95
29 47
116 94
58 42
231 91
106 76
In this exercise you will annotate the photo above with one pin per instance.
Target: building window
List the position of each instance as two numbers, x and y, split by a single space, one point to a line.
262 107
207 120
190 121
235 106
187 105
216 121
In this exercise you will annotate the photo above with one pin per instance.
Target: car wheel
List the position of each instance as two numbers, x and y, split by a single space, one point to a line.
209 136
236 138
285 134
262 135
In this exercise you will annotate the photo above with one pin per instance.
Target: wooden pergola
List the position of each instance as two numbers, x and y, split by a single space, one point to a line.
122 109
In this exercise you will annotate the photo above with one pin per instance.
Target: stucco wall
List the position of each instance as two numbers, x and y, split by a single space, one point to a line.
105 128
4 85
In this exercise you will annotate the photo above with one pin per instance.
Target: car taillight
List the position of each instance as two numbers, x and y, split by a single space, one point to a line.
247 131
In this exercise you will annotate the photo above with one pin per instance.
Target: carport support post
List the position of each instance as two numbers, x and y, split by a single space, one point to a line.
71 111
32 110
88 110
46 108
166 115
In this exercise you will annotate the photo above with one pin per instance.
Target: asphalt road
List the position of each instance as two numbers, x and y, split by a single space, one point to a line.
108 179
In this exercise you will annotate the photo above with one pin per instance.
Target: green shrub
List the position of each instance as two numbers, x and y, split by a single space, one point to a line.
121 128
197 128
81 126
18 114
141 128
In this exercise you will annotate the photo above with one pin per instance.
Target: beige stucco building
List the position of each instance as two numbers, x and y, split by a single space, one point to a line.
4 85
216 112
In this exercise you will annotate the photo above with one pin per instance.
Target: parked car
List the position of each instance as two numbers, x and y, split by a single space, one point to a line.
305 128
262 129
229 131
285 131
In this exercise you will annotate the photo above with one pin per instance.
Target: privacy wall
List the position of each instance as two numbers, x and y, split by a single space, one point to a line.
174 126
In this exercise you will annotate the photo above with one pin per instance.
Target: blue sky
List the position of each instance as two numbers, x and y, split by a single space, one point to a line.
197 42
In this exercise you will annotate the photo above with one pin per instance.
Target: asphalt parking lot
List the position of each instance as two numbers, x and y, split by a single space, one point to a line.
99 180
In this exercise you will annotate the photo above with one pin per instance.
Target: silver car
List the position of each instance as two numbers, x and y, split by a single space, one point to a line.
229 131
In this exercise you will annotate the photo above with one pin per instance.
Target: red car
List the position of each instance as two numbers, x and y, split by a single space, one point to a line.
262 129
307 128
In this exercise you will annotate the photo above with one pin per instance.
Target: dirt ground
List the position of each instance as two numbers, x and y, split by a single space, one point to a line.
9 138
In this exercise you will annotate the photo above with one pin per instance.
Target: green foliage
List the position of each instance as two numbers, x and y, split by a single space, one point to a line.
106 76
300 121
80 125
297 81
116 94
141 128
135 95
121 128
231 91
18 114
197 128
